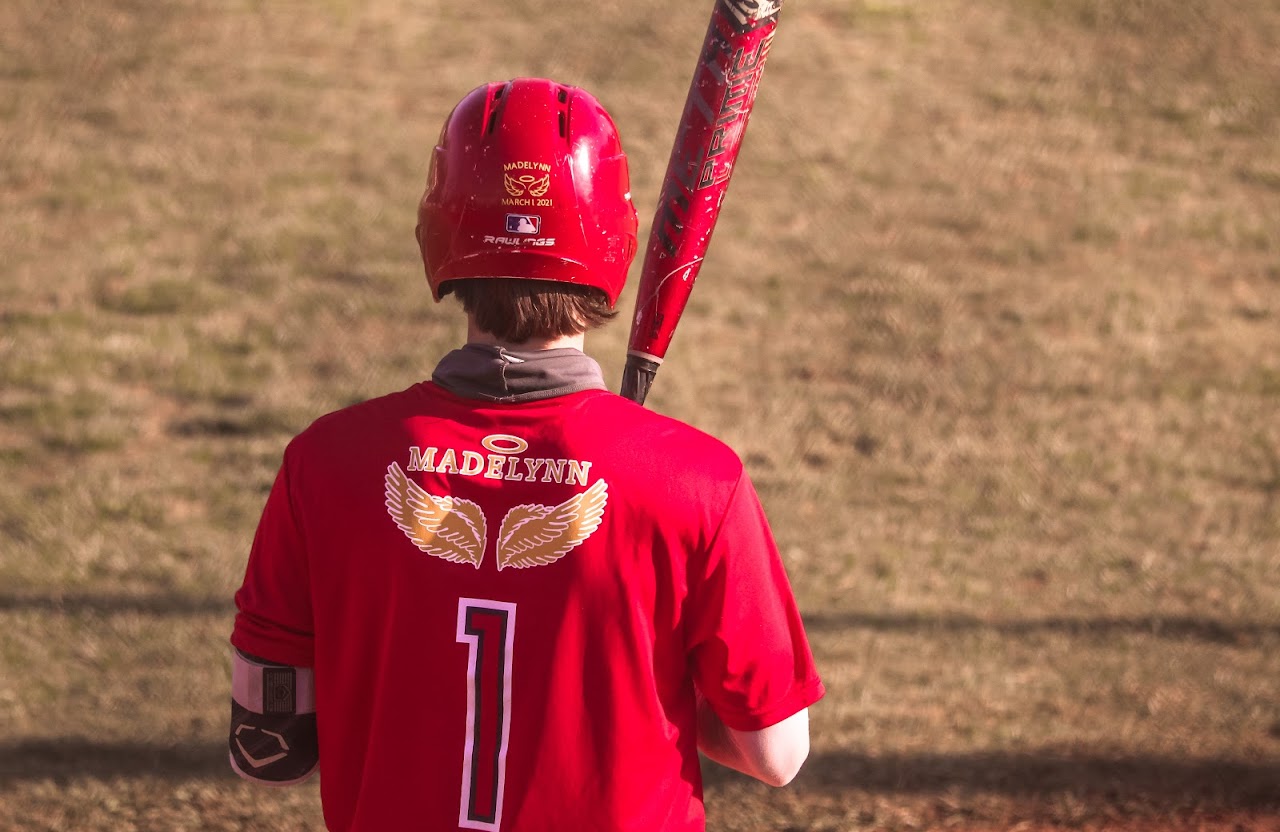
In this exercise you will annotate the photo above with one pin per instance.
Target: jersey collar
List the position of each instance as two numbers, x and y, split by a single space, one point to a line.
481 371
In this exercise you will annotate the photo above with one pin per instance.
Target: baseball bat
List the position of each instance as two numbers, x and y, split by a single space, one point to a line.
706 146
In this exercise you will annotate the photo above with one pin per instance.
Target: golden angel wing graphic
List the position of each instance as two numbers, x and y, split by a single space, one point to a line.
540 186
514 186
533 535
443 527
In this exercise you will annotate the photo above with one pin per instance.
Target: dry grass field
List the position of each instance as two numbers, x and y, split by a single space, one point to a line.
992 314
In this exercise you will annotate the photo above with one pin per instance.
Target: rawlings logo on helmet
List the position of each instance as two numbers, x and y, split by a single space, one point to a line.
535 242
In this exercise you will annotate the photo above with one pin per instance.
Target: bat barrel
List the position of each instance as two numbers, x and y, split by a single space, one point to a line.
721 95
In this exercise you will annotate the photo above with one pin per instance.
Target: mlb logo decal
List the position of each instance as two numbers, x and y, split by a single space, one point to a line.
524 224
529 226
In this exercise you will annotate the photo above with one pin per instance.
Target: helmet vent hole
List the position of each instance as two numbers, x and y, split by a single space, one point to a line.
562 125
563 96
493 122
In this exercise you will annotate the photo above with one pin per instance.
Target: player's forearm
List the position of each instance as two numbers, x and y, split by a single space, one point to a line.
714 740
772 755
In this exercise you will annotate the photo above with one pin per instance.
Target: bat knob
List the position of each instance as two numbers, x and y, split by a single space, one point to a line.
637 377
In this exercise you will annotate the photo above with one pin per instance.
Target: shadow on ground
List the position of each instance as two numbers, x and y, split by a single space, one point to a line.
1205 783
1208 783
157 604
1173 628
66 759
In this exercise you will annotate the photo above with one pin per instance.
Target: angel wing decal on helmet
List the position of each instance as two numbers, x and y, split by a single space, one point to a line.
540 186
444 527
514 186
533 535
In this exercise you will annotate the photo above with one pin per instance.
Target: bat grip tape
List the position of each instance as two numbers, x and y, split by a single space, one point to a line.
637 377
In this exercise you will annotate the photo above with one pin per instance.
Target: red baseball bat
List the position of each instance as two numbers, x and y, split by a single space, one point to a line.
716 110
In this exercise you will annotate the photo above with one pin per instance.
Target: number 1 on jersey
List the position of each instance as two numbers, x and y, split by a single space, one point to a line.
488 630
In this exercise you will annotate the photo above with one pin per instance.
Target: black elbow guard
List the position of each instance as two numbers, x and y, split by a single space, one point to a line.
273 722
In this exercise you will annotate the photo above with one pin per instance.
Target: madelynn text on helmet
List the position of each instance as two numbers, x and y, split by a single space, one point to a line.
528 180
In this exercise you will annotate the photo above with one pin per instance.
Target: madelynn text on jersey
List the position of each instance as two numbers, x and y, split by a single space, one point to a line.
498 466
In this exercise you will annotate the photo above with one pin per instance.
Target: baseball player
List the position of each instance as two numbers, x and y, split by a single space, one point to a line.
506 598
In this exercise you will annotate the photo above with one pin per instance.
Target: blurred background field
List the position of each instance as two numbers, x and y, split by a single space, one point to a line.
992 314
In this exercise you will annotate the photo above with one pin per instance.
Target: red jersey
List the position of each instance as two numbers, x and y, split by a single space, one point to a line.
508 606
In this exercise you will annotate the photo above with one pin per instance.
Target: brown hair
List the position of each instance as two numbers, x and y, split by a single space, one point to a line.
515 309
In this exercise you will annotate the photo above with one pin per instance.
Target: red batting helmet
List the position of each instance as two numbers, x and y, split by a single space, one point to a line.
528 180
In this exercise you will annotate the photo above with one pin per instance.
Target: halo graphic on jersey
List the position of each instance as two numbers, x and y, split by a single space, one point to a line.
504 443
534 535
444 527
534 185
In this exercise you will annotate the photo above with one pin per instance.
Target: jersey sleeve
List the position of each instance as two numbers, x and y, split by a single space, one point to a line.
750 657
273 604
